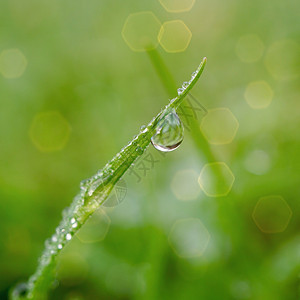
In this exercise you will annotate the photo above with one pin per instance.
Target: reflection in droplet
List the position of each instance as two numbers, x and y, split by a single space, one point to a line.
169 133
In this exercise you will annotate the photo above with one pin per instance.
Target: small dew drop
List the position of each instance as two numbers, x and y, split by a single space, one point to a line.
68 236
73 220
54 238
74 225
143 127
169 133
20 290
194 74
139 150
59 246
180 91
185 84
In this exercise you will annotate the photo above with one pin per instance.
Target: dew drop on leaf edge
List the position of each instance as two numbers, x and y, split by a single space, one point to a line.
169 133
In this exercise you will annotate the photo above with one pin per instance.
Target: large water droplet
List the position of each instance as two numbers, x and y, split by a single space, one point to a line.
169 133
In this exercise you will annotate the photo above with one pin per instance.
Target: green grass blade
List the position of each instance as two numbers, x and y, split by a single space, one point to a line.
94 191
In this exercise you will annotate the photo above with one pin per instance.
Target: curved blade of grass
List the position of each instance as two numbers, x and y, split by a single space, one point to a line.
94 191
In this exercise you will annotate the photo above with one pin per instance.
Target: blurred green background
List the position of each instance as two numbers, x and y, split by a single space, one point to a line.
74 92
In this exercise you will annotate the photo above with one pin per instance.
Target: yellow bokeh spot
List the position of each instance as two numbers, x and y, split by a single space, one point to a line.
216 179
258 94
185 186
282 60
12 63
249 48
219 126
95 228
49 131
140 31
189 238
177 6
272 214
174 36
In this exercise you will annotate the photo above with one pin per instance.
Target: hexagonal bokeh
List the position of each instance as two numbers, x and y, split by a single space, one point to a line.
49 131
177 6
174 36
140 31
258 94
272 214
219 126
216 179
12 63
95 228
189 238
249 48
282 60
185 185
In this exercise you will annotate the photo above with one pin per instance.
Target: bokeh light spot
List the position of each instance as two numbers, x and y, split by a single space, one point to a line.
272 214
219 126
49 131
258 94
12 63
176 6
216 179
174 36
185 185
282 60
140 31
257 162
249 48
189 238
95 228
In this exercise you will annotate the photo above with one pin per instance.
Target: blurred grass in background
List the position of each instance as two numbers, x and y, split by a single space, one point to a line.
73 93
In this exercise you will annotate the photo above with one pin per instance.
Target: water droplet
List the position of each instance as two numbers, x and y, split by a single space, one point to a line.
185 84
73 220
74 225
180 91
143 127
20 290
194 74
59 246
84 183
139 150
169 133
68 236
54 238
